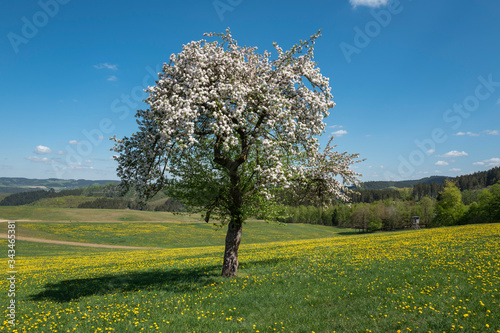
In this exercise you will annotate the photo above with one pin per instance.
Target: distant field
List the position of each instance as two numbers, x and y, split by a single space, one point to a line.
25 249
167 235
144 228
433 280
70 201
89 215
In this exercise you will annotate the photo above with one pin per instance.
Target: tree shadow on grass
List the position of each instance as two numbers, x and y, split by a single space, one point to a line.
176 280
173 280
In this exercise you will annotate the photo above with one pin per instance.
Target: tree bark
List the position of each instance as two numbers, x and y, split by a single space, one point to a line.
233 238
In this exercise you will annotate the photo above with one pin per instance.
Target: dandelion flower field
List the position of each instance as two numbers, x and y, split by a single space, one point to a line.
433 280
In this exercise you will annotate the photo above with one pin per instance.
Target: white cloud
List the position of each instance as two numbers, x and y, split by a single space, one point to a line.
106 65
492 162
339 133
79 166
455 153
112 78
467 133
369 3
431 151
492 132
42 150
39 159
441 163
74 142
454 170
495 161
336 126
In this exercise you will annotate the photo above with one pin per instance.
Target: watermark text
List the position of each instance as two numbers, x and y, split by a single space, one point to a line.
11 273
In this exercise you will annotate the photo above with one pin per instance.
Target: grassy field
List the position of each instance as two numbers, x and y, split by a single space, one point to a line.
89 215
167 235
437 280
70 201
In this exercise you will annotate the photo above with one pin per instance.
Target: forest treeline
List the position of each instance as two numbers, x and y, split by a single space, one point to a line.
451 207
380 215
370 209
108 196
24 198
464 200
110 190
472 182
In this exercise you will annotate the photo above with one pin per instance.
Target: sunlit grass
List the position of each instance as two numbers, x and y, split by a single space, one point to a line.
437 280
69 201
90 215
167 235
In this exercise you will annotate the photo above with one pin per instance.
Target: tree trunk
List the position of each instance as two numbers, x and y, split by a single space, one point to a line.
233 238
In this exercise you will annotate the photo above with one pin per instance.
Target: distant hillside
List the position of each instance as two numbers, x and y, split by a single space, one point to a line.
477 180
380 185
16 185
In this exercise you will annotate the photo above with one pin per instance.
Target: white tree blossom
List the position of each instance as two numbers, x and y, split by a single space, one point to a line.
229 130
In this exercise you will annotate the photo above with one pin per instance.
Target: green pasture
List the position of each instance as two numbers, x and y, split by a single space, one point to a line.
90 215
435 280
167 235
70 201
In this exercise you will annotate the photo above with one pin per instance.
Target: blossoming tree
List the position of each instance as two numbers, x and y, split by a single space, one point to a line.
229 130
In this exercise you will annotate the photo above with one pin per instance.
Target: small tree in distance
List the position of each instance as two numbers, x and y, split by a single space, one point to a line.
449 208
228 131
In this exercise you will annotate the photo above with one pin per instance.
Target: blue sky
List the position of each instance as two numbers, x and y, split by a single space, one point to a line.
417 83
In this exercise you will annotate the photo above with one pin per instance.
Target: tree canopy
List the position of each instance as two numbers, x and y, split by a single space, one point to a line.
449 208
228 131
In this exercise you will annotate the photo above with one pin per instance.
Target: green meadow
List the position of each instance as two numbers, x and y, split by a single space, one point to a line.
167 235
52 214
292 278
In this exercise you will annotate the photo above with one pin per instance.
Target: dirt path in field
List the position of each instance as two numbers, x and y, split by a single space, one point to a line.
49 241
